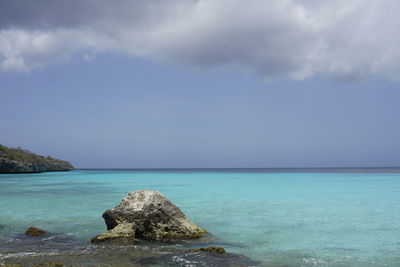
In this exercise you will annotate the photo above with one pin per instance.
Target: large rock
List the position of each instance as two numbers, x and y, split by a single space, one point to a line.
151 216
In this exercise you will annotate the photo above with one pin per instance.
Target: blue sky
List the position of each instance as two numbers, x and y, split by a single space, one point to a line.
273 92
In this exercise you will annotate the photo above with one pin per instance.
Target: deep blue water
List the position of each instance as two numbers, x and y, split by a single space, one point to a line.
320 217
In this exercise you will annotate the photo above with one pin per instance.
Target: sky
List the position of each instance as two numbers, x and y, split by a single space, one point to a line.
202 83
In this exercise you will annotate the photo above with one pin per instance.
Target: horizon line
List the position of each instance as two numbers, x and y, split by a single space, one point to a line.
227 168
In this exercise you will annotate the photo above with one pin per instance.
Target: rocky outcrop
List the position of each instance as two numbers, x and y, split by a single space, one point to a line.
18 160
151 216
33 231
12 166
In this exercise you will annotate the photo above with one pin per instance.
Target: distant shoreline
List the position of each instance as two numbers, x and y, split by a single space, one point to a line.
19 160
266 170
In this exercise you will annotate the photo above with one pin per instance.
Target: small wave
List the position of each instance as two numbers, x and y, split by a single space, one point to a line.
315 262
340 249
185 262
27 254
49 238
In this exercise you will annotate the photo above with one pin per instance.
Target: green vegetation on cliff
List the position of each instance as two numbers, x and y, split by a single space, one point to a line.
18 160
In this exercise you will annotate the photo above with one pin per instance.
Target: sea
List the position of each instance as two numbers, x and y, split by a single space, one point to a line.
273 217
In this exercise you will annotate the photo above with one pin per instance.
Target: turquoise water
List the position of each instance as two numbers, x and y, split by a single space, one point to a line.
282 218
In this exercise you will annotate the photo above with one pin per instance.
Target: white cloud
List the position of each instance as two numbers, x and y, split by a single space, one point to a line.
274 39
24 50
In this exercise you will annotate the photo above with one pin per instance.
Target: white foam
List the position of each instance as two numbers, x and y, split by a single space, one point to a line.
315 262
186 263
25 254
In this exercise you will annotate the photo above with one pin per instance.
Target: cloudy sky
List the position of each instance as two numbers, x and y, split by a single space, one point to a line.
202 83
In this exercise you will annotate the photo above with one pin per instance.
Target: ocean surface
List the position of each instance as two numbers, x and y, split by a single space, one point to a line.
278 217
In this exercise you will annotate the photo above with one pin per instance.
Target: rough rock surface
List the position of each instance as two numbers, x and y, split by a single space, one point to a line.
33 231
151 216
120 231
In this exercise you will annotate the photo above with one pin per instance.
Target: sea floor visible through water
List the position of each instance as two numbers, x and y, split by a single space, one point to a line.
266 217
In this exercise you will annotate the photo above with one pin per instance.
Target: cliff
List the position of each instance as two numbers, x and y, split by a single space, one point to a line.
18 160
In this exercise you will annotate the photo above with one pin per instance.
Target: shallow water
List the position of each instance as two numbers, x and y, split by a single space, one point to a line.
280 217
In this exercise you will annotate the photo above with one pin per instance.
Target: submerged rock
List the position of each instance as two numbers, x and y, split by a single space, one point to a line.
218 250
200 258
49 264
44 264
151 216
33 231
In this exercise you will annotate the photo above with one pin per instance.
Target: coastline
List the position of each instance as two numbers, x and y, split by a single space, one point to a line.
65 249
19 160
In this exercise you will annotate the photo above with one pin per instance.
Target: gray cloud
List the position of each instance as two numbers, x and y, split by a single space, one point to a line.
274 39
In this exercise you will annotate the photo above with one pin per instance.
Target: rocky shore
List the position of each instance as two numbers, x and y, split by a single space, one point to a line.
119 254
18 160
145 229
